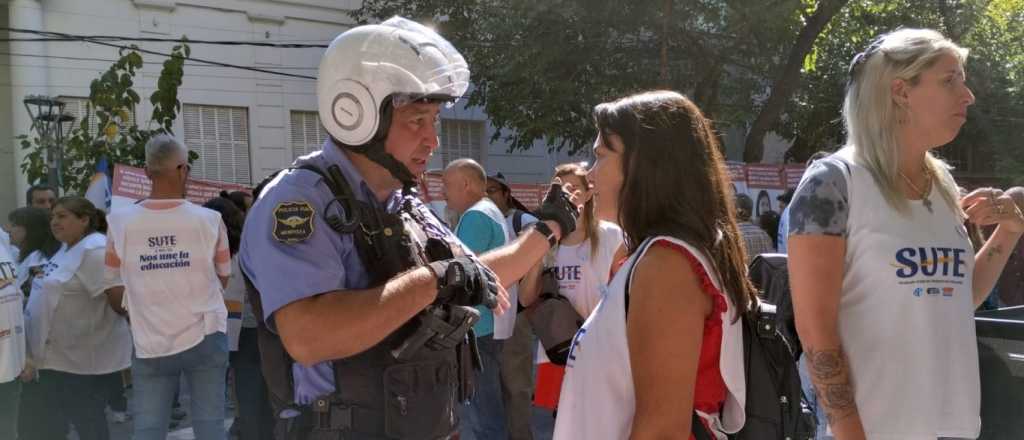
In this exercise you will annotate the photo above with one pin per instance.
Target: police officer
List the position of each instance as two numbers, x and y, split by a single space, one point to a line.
366 297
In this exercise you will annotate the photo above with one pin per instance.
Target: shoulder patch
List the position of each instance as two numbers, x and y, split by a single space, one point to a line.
293 221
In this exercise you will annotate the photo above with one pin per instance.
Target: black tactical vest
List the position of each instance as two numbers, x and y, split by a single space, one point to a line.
407 386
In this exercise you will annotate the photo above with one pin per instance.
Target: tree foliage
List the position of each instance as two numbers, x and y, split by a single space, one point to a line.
112 102
539 67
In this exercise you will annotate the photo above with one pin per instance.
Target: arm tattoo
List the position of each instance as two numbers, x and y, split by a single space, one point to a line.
825 364
830 373
993 251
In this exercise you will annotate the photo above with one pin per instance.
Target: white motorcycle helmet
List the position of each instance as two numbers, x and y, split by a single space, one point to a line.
397 60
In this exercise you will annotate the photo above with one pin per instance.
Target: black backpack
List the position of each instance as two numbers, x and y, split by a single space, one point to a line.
776 407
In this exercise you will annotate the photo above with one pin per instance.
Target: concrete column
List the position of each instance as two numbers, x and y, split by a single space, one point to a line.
28 77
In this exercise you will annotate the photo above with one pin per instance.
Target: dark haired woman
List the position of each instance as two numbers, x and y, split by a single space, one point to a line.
30 232
74 337
662 353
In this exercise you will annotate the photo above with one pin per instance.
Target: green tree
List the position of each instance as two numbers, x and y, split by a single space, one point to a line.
539 67
112 99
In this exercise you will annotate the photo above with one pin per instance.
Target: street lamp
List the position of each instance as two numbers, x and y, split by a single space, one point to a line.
48 120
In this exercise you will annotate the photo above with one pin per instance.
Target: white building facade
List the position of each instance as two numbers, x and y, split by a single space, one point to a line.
243 124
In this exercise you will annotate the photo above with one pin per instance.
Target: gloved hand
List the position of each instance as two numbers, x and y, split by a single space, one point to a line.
465 281
558 207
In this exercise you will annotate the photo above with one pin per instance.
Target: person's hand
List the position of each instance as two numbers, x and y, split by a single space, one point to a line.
465 281
989 206
28 374
560 206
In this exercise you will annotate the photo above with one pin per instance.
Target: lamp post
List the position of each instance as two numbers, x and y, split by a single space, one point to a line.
52 126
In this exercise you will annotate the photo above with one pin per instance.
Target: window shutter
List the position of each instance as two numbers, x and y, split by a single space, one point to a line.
220 136
307 135
461 139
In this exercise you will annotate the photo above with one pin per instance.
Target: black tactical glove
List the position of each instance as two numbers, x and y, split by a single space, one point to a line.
464 281
558 208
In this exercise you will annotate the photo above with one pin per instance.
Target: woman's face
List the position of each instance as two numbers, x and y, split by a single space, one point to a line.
574 183
66 226
937 104
606 175
18 234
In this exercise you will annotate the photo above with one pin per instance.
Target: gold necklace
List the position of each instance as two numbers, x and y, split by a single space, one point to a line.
928 186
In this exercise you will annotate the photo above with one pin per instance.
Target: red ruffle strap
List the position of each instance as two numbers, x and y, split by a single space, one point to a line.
718 305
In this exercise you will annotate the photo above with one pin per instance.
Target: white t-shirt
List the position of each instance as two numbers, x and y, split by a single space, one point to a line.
12 324
581 275
34 260
598 400
234 300
169 254
906 316
85 335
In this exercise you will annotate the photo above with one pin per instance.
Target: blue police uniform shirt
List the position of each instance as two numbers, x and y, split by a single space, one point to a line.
289 252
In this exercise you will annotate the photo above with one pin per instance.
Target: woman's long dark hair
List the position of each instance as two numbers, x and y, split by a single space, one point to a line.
38 236
675 182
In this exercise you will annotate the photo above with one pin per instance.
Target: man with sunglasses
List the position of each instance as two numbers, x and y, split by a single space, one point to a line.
174 261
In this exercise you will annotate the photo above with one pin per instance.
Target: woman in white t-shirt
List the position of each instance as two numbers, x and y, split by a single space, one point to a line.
662 354
30 233
581 264
883 276
74 337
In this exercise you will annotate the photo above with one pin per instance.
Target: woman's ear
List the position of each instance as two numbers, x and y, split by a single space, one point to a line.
900 92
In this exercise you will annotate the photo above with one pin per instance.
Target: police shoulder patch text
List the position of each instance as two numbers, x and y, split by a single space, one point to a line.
293 221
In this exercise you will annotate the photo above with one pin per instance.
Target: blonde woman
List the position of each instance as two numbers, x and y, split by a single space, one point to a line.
884 278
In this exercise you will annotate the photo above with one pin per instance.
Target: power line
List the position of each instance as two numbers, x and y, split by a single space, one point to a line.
56 36
105 60
152 52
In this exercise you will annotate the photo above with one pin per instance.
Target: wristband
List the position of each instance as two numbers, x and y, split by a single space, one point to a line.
546 231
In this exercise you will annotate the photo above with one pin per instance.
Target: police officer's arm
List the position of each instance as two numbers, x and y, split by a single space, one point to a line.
343 323
983 209
512 261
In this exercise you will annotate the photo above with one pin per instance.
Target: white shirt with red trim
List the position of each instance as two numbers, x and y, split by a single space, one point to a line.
598 400
170 255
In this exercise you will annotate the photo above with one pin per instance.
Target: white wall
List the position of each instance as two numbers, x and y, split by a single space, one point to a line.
268 98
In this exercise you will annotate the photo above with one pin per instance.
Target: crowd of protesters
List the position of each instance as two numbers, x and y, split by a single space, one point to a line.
643 255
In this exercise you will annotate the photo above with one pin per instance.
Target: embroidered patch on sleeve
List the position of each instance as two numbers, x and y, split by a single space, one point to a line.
293 221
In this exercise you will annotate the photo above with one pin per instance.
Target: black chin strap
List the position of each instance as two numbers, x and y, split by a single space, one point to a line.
375 152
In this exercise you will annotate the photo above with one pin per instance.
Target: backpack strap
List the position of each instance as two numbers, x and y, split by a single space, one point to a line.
517 221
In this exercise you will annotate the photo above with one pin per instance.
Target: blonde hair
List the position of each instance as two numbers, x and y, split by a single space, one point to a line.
590 221
871 115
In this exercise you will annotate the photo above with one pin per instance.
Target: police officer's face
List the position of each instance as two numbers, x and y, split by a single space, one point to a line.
412 137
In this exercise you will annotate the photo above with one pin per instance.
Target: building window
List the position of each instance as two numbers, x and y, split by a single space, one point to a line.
220 136
461 138
307 134
79 108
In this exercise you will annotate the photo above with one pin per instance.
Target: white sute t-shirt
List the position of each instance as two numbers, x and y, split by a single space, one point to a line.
85 336
598 400
906 316
582 275
169 254
12 324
